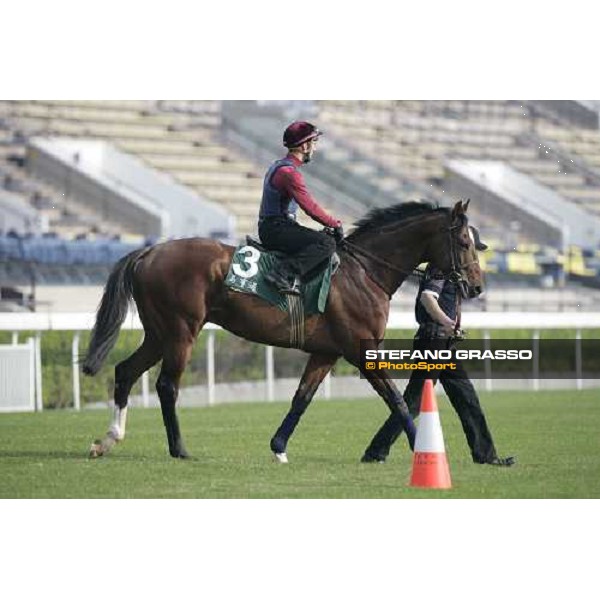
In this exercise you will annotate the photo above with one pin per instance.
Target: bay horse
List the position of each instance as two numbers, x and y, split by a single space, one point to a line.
178 286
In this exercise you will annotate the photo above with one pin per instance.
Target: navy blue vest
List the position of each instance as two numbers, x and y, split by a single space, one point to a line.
448 298
274 202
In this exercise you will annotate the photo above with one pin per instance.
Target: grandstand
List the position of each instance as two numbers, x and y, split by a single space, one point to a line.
375 153
419 137
180 143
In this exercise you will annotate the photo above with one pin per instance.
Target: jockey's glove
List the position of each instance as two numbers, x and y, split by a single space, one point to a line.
338 233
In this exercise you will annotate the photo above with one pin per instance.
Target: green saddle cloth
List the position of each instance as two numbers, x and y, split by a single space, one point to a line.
246 274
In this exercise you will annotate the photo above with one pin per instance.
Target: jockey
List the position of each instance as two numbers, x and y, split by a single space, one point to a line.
283 191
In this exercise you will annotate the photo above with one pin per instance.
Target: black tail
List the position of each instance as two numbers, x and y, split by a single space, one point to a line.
111 313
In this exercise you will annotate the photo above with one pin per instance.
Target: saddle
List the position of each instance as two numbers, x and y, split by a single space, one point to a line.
252 260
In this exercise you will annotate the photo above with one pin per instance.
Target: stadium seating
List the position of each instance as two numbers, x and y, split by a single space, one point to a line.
180 138
416 137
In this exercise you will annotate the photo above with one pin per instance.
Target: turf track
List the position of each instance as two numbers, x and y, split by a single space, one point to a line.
554 435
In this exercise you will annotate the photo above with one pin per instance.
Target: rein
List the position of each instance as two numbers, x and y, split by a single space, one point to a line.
350 248
353 248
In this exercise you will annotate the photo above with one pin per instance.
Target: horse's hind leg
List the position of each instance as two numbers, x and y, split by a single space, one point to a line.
126 374
175 360
315 371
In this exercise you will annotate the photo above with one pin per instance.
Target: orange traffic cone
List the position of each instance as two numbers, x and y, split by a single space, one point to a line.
430 465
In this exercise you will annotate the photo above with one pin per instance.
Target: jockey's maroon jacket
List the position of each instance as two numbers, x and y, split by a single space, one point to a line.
289 181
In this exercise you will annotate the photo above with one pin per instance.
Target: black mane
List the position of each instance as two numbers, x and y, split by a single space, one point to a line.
380 217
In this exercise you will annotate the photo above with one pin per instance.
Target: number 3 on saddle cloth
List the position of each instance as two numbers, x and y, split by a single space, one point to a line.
251 261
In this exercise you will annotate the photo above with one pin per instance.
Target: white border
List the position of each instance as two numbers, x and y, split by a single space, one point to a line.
296 549
306 49
309 49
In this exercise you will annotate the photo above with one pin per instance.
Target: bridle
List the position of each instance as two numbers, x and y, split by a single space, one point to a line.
454 274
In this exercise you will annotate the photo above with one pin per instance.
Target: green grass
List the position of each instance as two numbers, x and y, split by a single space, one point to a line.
553 434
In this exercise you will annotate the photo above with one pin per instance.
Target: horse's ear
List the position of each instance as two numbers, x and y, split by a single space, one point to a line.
466 205
457 210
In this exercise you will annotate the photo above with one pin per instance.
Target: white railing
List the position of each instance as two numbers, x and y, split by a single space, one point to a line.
483 322
18 377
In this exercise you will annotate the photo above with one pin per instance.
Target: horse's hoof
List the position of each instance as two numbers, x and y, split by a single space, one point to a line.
181 453
96 450
278 445
280 457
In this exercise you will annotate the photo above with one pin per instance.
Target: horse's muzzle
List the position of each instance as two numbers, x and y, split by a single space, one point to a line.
475 291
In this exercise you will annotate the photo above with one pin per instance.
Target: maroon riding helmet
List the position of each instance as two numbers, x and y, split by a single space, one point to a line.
299 132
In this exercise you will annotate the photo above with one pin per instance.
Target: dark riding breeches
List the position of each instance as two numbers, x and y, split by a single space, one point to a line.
306 248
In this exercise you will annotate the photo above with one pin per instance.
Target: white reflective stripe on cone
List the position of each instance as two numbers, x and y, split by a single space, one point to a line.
429 433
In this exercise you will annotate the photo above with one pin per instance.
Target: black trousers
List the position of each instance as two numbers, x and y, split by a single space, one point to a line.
464 400
305 248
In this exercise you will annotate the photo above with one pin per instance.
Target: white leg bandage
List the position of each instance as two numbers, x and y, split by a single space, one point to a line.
117 425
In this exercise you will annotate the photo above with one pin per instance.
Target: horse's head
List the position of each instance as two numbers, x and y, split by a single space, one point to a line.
454 252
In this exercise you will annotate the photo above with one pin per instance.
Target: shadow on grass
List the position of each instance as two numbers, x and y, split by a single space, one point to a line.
83 455
39 454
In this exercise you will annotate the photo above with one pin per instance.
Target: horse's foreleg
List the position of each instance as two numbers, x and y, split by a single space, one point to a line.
399 419
379 448
315 371
126 374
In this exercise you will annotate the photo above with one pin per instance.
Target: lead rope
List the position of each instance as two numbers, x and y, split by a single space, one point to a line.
352 249
458 312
